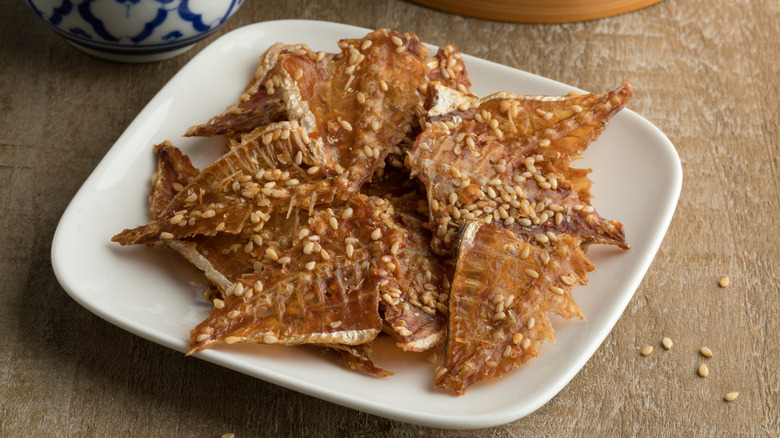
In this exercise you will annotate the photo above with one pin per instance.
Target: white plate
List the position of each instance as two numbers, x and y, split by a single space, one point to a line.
637 178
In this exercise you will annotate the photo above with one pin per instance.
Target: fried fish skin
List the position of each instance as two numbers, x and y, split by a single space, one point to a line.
505 159
502 292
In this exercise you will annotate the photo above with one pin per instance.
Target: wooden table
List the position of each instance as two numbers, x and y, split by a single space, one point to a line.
706 73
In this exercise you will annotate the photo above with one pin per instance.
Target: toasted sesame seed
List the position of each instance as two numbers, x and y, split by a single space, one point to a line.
202 337
531 273
647 350
376 234
667 343
725 281
192 198
730 397
706 352
232 339
228 435
346 125
271 254
703 370
218 304
517 338
166 235
284 260
325 255
310 266
334 223
526 343
270 339
531 323
350 250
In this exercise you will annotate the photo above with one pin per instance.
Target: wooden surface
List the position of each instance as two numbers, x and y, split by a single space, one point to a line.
706 73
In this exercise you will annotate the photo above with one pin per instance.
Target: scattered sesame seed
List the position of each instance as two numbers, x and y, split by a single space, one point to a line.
166 235
703 370
647 350
725 281
730 397
376 234
706 352
667 343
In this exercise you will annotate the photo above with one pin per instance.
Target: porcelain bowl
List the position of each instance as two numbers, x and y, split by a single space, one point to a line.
134 30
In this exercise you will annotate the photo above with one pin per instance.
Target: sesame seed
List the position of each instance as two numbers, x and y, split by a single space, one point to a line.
310 266
397 41
556 290
166 235
667 343
724 282
350 250
202 337
531 323
271 254
346 125
270 339
325 255
703 370
376 234
232 339
647 350
334 223
706 352
192 198
218 304
531 273
228 435
526 343
730 397
284 260
517 338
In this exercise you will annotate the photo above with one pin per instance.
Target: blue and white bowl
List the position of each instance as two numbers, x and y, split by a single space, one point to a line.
135 30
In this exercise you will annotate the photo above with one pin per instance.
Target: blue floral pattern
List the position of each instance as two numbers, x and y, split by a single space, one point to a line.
166 23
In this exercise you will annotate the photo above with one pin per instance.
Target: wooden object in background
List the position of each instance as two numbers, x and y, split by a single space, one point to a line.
535 11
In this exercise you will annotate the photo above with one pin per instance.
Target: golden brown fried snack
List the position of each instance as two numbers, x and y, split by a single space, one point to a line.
259 105
501 294
505 159
317 284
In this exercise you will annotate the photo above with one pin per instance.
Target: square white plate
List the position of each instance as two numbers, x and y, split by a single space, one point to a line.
637 179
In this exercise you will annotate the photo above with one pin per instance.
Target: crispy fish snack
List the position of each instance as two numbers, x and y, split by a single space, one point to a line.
226 257
307 288
501 294
472 235
259 105
505 159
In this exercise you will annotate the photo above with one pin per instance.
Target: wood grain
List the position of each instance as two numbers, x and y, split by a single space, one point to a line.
705 73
